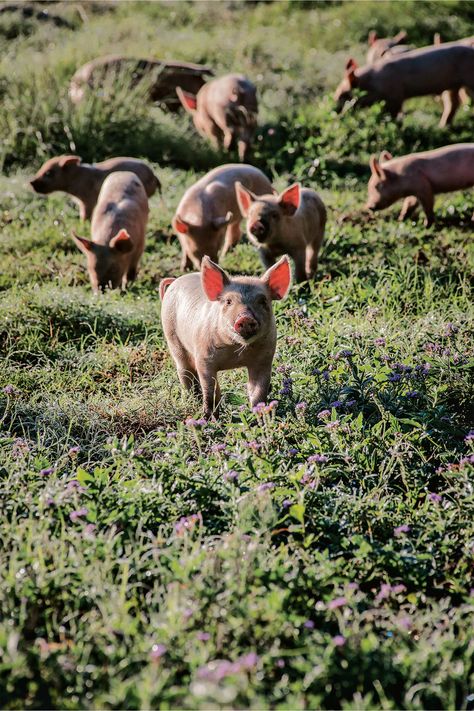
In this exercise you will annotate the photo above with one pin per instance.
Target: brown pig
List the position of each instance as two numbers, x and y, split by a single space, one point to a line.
381 46
292 222
225 112
83 181
208 212
421 72
419 177
163 77
215 322
118 232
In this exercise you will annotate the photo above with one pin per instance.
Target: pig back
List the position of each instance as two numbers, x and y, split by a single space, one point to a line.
122 204
185 311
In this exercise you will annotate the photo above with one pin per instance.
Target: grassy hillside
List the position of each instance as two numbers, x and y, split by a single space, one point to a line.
317 555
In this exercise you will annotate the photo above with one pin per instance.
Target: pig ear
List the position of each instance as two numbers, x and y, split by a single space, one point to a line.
189 101
122 242
85 245
244 198
351 66
372 38
290 199
278 278
400 37
180 225
221 221
69 160
385 156
164 284
213 279
375 167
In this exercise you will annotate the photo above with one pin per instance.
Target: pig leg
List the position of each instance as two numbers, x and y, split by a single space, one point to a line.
426 198
232 237
300 266
186 262
259 381
451 103
185 367
211 393
408 208
311 261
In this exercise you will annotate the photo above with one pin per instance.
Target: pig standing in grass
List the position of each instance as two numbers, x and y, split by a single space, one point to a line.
225 112
421 72
292 222
83 181
213 322
118 232
419 177
208 212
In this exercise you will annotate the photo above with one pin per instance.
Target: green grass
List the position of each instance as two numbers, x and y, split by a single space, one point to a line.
150 563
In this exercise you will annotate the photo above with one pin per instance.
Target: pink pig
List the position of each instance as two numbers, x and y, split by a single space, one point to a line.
421 72
225 112
382 46
419 177
215 322
118 232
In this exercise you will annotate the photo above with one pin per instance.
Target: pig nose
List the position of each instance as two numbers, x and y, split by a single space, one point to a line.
246 325
258 229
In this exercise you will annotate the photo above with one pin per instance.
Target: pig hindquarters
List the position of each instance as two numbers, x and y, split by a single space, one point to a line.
118 232
213 322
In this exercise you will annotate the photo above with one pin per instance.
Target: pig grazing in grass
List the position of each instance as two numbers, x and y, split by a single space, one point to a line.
215 322
208 212
419 177
225 112
163 77
381 46
421 72
118 232
83 181
292 223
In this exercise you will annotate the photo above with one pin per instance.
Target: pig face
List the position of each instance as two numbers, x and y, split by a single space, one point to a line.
384 187
265 213
107 264
55 174
245 305
201 240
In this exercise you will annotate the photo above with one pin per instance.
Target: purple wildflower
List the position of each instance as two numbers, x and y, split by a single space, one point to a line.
287 388
74 450
379 341
333 425
287 503
339 640
280 663
435 498
301 406
203 636
231 475
345 353
324 414
253 445
336 603
450 329
470 436
292 451
191 422
187 523
466 460
399 530
266 486
412 393
157 651
10 390
45 472
89 530
309 625
218 447
405 623
336 403
258 408
317 458
79 513
394 377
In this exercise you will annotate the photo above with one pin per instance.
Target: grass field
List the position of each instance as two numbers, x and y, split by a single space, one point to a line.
318 555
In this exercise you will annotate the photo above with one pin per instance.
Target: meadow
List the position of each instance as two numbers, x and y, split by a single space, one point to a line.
316 554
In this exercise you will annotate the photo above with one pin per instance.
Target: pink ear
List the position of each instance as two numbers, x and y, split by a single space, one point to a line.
290 199
189 101
69 160
213 279
164 284
351 66
85 245
372 37
180 225
375 166
122 242
278 278
244 198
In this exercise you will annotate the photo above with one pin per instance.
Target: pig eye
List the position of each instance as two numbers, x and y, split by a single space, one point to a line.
47 174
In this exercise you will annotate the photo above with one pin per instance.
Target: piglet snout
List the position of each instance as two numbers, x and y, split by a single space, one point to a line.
258 229
246 325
